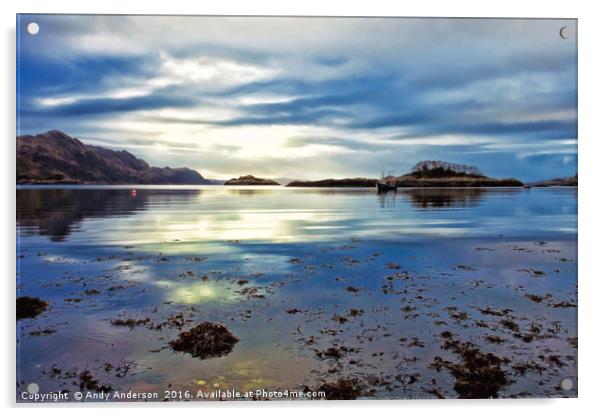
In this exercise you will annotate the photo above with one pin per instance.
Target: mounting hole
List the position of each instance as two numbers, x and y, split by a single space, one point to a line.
566 384
33 388
33 28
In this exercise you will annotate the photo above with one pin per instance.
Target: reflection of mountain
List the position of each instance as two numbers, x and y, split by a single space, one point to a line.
444 198
54 212
57 212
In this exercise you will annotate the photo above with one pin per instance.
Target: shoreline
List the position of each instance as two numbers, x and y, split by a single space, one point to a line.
270 187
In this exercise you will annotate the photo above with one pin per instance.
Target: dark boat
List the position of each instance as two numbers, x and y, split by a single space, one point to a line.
384 187
386 183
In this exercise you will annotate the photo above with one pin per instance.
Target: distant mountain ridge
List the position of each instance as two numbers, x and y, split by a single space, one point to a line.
568 181
55 157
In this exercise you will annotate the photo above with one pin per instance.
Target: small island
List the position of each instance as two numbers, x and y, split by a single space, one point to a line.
425 174
250 180
436 173
336 183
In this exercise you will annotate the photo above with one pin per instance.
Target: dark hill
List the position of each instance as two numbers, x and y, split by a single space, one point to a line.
336 183
54 157
250 180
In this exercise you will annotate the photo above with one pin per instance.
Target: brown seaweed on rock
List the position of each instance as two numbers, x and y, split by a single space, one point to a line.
205 340
28 307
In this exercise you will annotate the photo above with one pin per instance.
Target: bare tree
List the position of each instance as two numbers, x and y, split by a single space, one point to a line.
438 165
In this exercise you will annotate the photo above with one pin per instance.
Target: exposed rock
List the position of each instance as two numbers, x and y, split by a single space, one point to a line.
29 307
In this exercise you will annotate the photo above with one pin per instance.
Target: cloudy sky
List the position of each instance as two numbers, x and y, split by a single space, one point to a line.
307 97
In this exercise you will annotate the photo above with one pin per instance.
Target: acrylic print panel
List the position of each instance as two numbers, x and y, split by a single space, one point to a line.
292 208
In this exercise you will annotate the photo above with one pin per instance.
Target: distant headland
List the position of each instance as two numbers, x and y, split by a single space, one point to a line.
56 158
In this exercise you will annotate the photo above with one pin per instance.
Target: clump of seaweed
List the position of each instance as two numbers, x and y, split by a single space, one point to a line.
205 340
29 307
479 375
131 322
88 382
342 389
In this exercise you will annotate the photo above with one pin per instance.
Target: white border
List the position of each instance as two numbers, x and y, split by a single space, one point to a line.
590 138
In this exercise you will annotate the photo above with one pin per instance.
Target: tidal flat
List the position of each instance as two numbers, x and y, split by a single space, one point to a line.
423 293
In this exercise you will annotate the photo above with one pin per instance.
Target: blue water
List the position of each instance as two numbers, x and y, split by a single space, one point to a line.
101 253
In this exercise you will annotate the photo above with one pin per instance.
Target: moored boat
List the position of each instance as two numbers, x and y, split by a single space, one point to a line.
384 187
386 182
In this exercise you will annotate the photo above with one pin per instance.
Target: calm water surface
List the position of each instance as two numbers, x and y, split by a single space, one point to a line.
280 267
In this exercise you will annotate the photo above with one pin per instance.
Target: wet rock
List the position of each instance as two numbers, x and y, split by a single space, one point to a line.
205 340
30 307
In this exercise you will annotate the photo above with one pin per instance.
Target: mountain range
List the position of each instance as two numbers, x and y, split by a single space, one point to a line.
55 157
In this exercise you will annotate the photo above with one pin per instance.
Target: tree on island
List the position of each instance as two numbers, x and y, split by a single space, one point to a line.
438 168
